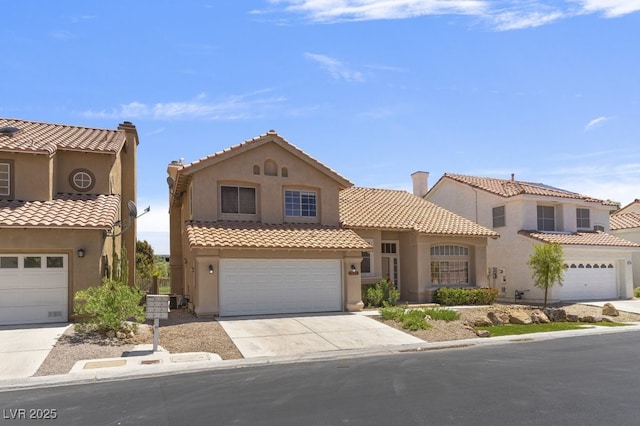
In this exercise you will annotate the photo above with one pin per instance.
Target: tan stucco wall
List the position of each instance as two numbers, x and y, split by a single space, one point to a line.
83 272
100 165
203 287
239 170
31 174
632 235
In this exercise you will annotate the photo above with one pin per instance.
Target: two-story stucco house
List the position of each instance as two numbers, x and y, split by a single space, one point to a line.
263 228
62 189
525 214
625 223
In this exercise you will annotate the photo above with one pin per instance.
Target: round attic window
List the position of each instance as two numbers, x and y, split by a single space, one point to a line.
82 180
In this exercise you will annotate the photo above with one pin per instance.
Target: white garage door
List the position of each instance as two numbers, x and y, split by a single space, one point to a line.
259 286
33 288
589 281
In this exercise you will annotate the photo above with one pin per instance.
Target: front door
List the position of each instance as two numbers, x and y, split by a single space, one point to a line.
391 262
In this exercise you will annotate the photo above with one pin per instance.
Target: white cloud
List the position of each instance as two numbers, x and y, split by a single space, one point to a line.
232 108
596 122
501 15
611 8
335 68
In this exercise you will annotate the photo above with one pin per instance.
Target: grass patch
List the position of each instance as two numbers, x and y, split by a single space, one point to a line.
414 319
515 329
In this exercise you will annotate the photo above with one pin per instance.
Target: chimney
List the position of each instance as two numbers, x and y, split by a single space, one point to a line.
420 183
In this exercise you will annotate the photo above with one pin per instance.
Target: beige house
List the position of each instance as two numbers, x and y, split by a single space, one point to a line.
528 214
263 228
62 189
625 223
418 245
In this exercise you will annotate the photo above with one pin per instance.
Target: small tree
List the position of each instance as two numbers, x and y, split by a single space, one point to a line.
547 267
145 259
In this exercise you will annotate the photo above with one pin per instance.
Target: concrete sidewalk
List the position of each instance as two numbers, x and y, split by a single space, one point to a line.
632 305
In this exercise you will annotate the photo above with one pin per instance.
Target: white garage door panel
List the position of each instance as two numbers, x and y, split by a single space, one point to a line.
34 295
259 286
589 283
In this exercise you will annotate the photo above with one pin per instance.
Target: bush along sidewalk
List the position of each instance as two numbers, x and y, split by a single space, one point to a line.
465 296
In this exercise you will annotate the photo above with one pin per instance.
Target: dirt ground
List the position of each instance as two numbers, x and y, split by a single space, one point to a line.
183 332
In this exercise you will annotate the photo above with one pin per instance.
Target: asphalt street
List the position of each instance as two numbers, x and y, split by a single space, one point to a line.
578 380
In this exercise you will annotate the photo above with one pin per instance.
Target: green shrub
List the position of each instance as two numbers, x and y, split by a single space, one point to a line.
414 320
636 292
107 307
392 313
383 293
465 296
442 314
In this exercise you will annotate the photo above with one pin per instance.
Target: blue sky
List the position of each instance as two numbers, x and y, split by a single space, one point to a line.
548 90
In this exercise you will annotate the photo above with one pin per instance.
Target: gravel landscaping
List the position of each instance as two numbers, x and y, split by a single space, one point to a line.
183 332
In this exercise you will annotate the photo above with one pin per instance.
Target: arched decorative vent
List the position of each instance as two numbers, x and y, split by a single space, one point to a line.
284 172
256 169
270 168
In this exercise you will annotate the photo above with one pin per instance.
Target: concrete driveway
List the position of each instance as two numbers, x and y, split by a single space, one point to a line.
23 348
632 305
303 334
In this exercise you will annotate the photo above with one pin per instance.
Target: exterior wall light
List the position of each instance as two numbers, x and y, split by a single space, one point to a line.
353 270
210 269
80 252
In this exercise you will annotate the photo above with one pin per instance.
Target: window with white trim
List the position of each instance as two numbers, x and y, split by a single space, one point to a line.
5 179
300 203
449 265
238 199
546 218
582 218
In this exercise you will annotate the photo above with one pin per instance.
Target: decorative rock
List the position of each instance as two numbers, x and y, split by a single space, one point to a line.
603 319
609 309
519 317
572 318
482 322
588 318
495 319
111 334
120 335
539 317
483 333
556 314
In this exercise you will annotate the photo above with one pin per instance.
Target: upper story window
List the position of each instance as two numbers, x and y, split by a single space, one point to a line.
366 267
82 180
5 179
300 203
499 217
238 199
582 218
546 218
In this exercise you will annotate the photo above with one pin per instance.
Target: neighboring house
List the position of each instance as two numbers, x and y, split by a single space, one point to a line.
419 246
526 214
263 228
255 229
61 194
625 223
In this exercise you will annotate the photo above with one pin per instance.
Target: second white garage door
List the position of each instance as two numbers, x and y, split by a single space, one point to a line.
589 281
260 286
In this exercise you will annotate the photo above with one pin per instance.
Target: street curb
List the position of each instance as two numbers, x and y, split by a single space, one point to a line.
141 372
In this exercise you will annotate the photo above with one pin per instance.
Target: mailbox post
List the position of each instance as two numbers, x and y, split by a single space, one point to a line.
157 309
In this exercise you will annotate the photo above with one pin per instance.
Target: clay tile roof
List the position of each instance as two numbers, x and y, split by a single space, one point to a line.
260 236
624 221
395 209
597 238
46 138
511 188
64 211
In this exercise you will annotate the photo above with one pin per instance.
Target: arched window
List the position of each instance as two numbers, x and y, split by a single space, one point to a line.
270 168
449 265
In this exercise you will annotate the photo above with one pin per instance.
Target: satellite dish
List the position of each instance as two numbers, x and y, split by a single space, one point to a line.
133 210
